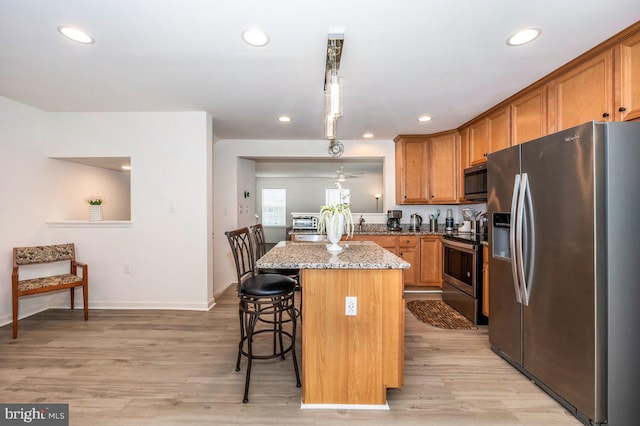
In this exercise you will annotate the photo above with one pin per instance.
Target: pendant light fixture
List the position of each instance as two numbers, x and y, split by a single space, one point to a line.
333 93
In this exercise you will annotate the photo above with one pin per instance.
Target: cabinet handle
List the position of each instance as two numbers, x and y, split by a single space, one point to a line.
622 109
605 115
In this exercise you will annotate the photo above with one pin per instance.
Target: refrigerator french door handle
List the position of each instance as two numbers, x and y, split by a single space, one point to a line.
519 240
512 238
527 282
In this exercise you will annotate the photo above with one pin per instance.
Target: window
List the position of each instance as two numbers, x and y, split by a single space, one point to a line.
336 196
274 207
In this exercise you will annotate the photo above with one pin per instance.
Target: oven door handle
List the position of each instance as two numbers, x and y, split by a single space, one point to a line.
512 238
465 247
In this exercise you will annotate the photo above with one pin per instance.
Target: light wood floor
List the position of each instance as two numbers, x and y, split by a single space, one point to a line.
178 367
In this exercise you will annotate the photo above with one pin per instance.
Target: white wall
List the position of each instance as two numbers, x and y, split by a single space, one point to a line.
169 253
246 178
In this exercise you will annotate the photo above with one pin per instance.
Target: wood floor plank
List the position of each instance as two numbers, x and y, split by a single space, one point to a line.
128 367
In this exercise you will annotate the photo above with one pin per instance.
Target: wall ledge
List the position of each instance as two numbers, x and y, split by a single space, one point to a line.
90 224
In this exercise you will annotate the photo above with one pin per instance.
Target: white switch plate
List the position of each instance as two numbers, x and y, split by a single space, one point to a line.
127 268
351 306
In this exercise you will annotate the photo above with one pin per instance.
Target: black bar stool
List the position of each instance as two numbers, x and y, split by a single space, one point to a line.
260 242
263 298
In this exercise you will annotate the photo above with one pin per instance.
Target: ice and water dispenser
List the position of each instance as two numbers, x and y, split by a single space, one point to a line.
501 230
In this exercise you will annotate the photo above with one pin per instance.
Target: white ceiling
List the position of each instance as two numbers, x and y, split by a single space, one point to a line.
401 58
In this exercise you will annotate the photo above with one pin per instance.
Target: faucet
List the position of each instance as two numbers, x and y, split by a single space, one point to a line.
360 222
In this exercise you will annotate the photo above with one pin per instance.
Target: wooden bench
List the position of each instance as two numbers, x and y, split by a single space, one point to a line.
47 254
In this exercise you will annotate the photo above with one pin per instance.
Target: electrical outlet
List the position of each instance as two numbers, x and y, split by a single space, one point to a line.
351 306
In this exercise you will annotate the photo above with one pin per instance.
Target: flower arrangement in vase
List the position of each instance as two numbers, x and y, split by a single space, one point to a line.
336 219
95 207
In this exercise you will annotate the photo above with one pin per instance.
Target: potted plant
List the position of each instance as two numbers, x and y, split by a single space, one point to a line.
95 207
336 219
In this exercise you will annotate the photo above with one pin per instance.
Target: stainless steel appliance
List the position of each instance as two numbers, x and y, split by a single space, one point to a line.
462 274
564 293
304 221
415 221
475 183
393 221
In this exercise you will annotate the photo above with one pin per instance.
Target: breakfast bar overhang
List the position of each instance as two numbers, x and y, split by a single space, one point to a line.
348 361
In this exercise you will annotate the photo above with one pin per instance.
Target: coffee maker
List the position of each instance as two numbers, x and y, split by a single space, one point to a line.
393 222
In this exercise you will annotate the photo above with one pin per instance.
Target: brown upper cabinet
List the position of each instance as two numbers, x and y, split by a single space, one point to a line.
489 134
583 93
603 85
427 168
529 116
628 75
478 141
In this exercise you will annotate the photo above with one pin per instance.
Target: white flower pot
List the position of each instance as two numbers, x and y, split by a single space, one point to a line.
95 213
335 228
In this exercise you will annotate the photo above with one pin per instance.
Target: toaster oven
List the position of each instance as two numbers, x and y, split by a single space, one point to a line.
305 222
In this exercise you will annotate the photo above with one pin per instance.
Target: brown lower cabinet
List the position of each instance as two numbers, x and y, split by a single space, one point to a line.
424 253
408 250
431 260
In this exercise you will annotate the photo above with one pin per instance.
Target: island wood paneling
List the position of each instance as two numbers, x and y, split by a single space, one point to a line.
351 359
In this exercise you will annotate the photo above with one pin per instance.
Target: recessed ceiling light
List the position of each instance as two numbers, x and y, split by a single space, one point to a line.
125 167
255 37
76 34
524 36
367 135
425 118
284 119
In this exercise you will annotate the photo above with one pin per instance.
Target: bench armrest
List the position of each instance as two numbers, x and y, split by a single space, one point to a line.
74 268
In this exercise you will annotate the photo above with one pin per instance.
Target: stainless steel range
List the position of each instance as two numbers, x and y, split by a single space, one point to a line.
462 274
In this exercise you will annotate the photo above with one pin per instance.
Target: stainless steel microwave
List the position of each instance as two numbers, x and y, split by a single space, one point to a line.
475 183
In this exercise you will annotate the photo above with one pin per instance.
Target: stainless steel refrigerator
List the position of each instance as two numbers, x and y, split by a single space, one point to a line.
564 271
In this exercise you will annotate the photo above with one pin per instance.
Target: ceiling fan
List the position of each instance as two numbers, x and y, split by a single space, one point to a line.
341 176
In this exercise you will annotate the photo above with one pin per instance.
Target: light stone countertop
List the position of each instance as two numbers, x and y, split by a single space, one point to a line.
310 255
378 229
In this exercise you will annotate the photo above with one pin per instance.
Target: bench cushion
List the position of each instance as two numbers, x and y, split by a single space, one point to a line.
36 283
43 254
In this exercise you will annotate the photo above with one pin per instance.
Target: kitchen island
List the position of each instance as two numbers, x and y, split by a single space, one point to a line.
348 361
